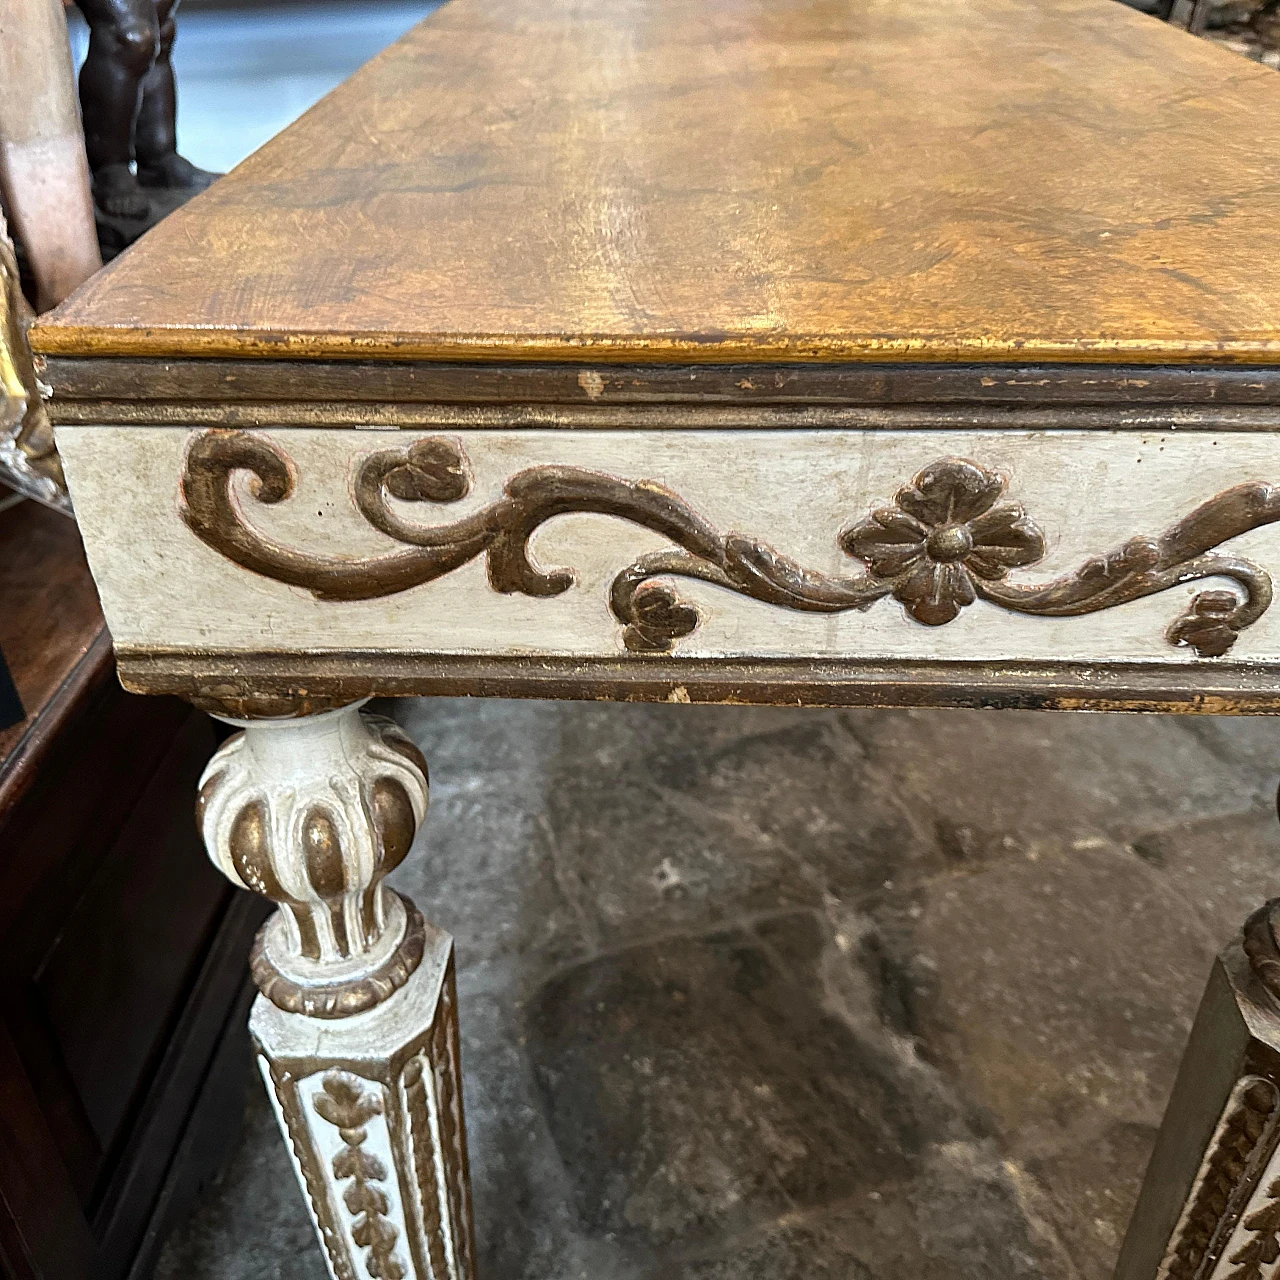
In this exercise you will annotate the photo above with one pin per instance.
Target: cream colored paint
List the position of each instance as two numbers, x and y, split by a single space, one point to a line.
1088 492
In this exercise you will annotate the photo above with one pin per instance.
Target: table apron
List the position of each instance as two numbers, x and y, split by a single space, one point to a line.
1056 568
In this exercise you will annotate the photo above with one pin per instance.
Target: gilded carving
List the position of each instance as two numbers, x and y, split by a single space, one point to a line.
343 998
424 1158
398 1111
310 1169
947 540
448 1075
1254 1258
1237 1155
28 459
314 814
1262 945
347 1105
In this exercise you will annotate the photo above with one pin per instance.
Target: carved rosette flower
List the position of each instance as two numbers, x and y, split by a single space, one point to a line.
944 529
313 813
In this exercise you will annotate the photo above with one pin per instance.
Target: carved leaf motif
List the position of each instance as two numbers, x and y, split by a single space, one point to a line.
1264 1248
434 470
658 616
935 593
354 1162
951 491
360 1197
889 540
1003 539
1206 627
345 1103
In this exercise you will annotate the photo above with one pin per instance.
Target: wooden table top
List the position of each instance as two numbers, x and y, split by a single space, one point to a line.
733 180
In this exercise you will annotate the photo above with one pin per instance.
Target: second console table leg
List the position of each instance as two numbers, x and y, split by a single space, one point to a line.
356 1025
1210 1202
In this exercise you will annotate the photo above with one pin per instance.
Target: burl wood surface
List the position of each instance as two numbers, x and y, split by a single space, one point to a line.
738 180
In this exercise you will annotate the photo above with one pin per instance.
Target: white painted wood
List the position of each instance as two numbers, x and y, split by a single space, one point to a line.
401 1057
327 765
1088 491
356 1025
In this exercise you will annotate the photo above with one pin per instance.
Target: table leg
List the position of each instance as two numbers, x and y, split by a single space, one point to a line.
1210 1204
356 1026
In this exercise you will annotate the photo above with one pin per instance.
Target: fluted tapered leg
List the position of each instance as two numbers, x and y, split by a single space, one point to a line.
356 1024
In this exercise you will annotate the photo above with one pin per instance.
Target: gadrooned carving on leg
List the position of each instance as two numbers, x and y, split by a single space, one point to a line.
313 813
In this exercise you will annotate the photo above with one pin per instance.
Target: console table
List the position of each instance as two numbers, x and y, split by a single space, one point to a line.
846 353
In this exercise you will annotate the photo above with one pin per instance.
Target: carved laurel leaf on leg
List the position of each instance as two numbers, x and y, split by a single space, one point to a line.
948 540
1254 1259
347 1105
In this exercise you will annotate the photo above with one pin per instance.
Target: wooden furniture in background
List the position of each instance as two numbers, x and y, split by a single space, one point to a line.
44 177
882 354
121 954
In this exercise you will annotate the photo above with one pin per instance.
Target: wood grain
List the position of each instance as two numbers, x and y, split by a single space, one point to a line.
50 616
737 180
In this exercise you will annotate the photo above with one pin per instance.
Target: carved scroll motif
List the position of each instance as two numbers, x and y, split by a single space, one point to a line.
946 541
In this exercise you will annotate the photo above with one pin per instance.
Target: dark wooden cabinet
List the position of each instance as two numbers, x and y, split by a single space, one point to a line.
123 982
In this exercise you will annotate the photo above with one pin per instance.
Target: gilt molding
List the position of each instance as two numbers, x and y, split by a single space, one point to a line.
948 539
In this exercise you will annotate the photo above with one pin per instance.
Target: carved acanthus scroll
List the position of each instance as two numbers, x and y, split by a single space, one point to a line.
947 540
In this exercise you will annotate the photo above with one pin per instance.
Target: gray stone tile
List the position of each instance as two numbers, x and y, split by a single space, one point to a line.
667 818
252 1224
696 1088
1060 991
1023 776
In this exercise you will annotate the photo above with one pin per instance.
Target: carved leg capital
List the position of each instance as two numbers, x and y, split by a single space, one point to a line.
313 813
356 1025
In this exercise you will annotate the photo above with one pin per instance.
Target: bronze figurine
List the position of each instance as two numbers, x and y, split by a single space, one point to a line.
129 105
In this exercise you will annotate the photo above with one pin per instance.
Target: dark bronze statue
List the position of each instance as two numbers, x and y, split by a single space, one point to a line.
129 105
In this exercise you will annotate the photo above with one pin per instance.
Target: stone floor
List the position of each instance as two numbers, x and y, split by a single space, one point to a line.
782 993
